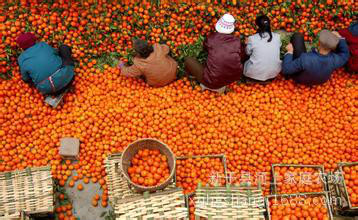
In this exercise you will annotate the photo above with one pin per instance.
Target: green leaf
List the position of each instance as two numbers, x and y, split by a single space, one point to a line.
103 214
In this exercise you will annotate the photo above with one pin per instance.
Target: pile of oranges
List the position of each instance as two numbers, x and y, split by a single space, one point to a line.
290 180
149 168
295 208
351 180
206 171
253 125
64 212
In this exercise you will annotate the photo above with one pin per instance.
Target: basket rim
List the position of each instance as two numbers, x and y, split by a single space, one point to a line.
172 173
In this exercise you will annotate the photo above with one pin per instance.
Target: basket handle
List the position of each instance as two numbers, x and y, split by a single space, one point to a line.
116 168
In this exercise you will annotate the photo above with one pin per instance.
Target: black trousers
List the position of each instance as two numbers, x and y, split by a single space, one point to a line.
66 55
298 43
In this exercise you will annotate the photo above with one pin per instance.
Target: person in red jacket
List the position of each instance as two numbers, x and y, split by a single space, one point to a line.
224 64
351 35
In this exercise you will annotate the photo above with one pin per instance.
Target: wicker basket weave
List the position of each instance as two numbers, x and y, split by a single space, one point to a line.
160 205
151 144
231 202
29 190
118 188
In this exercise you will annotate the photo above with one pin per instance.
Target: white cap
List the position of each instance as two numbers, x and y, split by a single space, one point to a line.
226 24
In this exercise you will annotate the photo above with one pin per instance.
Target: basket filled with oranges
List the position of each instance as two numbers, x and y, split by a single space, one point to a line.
148 165
208 170
345 183
294 178
299 206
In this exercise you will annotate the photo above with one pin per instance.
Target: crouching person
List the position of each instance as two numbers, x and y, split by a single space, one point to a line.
351 35
315 67
226 55
50 71
153 63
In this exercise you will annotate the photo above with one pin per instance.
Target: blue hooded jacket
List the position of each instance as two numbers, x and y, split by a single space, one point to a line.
41 61
312 68
353 28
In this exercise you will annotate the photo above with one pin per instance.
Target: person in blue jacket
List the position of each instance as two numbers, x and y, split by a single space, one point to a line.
49 70
315 67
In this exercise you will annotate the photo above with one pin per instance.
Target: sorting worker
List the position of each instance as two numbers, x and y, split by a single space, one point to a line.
49 70
315 67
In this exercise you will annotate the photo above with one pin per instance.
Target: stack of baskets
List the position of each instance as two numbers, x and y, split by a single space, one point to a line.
165 201
26 192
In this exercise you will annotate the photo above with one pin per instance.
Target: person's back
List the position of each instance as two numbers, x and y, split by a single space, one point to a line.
316 67
351 35
159 68
264 62
39 62
152 62
223 65
264 51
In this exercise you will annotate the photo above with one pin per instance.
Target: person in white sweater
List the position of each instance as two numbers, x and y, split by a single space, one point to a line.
264 51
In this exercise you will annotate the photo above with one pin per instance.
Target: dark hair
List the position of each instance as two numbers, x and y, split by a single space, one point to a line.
142 48
263 23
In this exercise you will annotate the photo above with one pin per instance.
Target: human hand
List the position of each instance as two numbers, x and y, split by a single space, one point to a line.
289 48
246 40
337 34
120 64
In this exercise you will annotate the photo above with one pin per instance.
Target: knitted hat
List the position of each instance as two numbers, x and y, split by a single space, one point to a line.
328 40
226 24
26 40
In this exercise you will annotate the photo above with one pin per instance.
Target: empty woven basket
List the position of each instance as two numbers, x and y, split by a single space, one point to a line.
151 144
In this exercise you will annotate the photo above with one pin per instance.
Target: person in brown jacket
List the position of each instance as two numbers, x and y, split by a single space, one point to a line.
153 63
224 64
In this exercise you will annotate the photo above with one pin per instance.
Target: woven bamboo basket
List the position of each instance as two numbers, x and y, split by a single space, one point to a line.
27 191
230 202
118 187
319 168
11 217
151 144
18 216
165 205
324 196
341 191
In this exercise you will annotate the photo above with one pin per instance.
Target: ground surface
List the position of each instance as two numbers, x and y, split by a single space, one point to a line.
82 202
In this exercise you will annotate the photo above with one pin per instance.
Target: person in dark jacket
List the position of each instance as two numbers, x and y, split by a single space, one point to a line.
315 67
224 64
351 35
51 72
